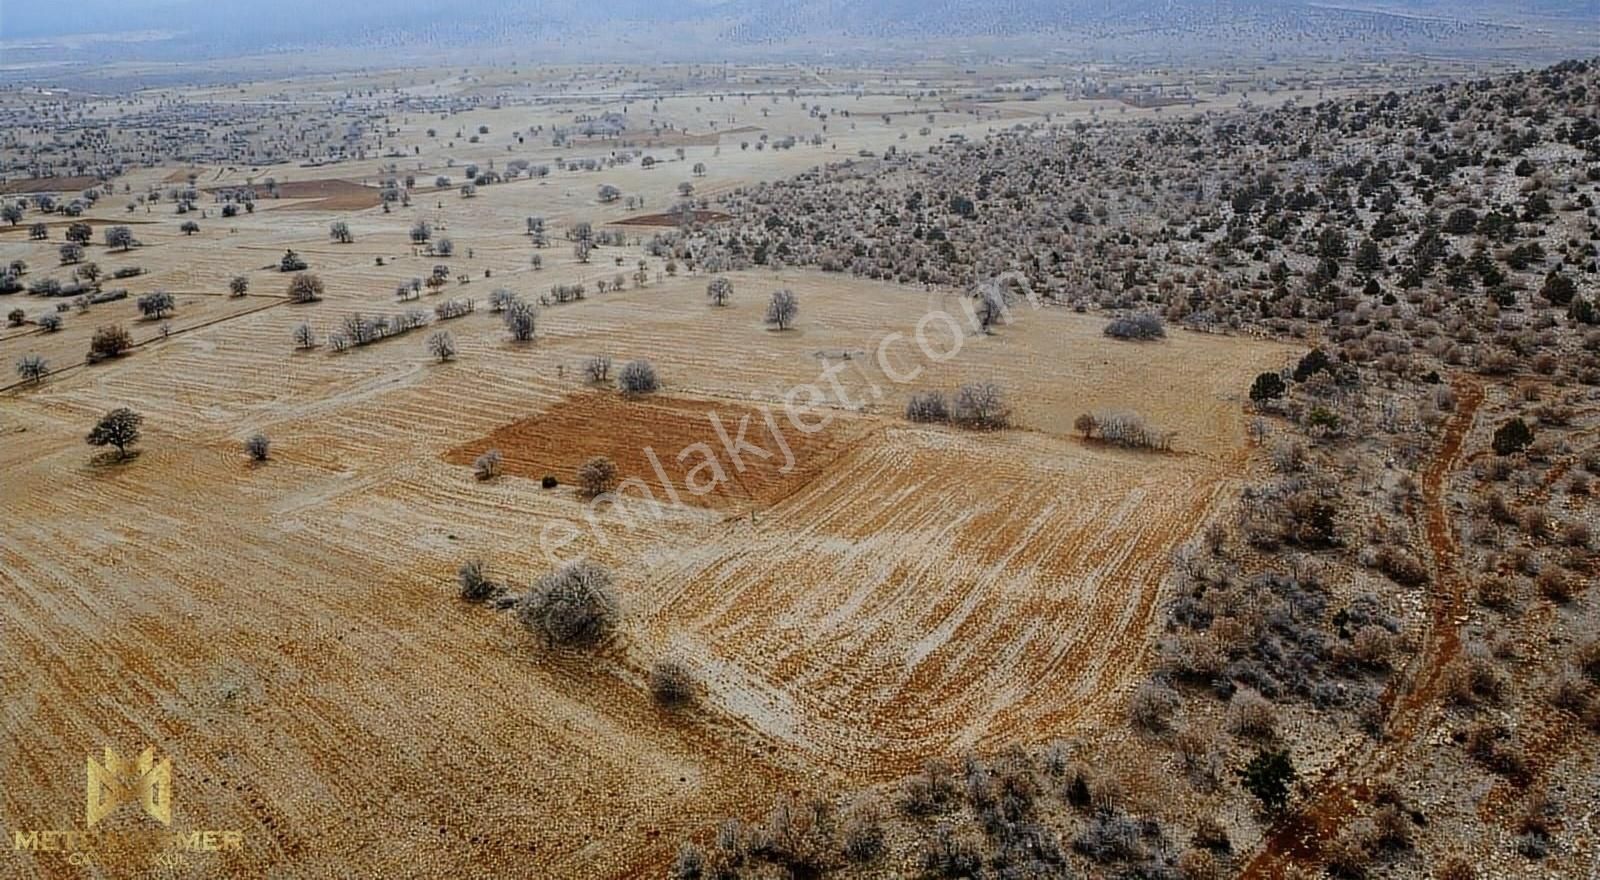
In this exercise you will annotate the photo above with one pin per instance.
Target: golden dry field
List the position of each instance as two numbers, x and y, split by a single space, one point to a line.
289 632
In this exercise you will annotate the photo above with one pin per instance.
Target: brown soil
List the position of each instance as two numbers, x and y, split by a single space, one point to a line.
48 185
671 219
330 194
677 431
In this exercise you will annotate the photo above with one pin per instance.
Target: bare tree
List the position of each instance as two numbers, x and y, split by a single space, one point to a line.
239 285
783 309
339 231
638 377
598 368
980 405
305 288
442 345
487 465
927 406
522 320
598 475
304 337
574 606
32 368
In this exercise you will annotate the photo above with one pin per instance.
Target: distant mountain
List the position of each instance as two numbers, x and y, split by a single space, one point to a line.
612 30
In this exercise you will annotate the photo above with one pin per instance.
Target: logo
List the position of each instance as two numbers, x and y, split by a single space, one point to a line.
118 782
112 784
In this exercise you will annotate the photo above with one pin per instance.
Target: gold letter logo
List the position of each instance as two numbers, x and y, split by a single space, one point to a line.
118 782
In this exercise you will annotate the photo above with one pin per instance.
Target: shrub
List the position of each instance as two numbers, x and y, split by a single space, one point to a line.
1511 437
1401 567
863 832
487 465
49 323
638 377
573 606
1267 386
1269 777
548 481
1139 326
474 583
258 447
672 684
1152 706
1251 715
597 476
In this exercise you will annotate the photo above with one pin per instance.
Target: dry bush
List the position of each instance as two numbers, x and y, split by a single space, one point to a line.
487 465
573 606
1211 834
672 684
1251 715
980 405
1391 828
1401 566
863 832
475 583
1555 585
305 288
1456 868
1152 706
1499 593
927 406
1373 646
931 791
1491 744
638 377
1347 855
597 476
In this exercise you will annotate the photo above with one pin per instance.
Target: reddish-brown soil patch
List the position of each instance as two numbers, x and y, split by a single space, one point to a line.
330 194
671 219
48 185
666 440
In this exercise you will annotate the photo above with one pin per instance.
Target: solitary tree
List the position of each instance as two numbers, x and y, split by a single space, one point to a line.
522 319
81 233
109 342
574 606
783 309
189 227
598 475
339 231
442 345
32 368
156 305
71 252
638 377
598 368
239 285
304 337
305 288
421 231
12 212
119 237
719 290
119 428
